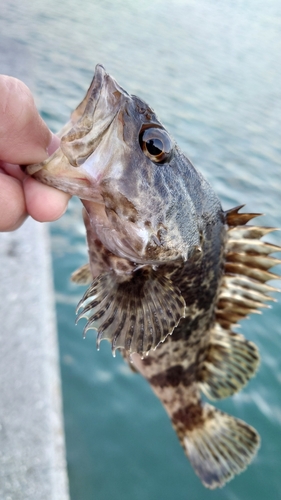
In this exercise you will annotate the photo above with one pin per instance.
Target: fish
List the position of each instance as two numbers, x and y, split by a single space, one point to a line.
170 273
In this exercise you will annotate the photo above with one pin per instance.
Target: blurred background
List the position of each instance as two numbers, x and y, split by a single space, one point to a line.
212 72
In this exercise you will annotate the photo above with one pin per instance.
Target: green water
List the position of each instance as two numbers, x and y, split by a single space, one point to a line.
212 71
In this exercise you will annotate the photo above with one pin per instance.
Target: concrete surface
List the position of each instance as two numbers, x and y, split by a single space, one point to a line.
32 451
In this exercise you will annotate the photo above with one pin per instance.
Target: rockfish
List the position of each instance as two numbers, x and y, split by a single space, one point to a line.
171 272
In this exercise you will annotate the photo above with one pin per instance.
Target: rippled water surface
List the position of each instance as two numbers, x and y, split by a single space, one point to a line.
212 71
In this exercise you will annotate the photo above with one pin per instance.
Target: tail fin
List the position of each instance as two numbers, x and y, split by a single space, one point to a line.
218 445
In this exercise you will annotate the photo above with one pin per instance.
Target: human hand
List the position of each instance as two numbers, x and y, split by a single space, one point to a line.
24 139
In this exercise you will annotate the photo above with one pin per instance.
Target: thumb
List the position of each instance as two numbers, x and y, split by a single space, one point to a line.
24 137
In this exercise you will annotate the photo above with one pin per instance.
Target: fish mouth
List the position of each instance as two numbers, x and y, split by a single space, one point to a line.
80 137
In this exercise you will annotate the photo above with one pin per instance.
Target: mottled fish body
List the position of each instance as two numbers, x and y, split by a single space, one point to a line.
171 273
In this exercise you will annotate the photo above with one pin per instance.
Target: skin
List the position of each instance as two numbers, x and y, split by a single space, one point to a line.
24 139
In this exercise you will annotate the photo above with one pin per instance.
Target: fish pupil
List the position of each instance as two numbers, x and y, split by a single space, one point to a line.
154 146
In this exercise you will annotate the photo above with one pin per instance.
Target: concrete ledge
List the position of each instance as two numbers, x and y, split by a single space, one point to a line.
32 451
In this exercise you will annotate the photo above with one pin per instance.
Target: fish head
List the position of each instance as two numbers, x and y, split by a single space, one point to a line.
144 198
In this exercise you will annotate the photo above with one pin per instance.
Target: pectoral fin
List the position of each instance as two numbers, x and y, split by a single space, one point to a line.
82 275
134 312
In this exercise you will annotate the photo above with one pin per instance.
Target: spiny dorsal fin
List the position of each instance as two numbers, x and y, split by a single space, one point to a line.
134 314
233 218
250 232
247 262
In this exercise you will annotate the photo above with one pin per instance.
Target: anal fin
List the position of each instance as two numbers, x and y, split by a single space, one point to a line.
230 362
218 445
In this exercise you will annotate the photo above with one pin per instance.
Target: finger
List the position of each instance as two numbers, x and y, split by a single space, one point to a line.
24 137
12 203
44 203
12 170
18 172
53 145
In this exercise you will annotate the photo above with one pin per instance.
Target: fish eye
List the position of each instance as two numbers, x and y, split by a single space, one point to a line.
156 144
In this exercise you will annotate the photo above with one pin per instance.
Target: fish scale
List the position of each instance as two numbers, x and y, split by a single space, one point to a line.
171 273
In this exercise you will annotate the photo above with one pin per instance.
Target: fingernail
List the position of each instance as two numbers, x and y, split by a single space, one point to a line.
54 145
